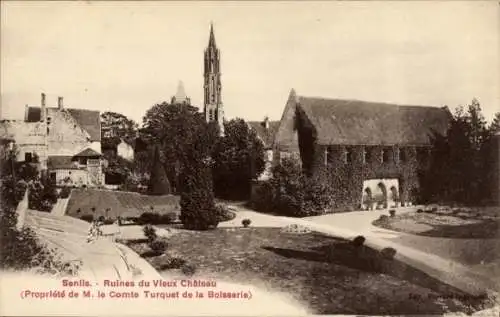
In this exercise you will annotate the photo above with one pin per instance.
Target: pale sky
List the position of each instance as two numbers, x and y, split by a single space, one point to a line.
127 56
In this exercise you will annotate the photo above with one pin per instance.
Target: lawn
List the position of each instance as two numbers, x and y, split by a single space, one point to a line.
328 275
112 204
446 224
468 237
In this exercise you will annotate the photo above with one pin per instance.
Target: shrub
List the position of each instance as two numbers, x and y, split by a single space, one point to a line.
88 218
158 182
392 213
150 233
149 218
383 218
173 263
158 246
358 241
198 210
246 222
188 269
388 253
42 195
292 193
168 218
223 213
264 197
65 192
108 221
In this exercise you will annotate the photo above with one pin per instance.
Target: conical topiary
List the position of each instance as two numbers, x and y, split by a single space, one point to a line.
158 181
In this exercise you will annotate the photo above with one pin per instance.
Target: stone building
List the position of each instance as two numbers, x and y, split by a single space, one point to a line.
265 131
213 107
369 152
66 142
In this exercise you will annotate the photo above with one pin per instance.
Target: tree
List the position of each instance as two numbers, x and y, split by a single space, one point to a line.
118 169
173 128
239 158
42 194
495 125
116 127
158 182
185 142
198 211
459 164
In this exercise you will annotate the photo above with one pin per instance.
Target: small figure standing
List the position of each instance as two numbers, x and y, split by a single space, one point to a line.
94 231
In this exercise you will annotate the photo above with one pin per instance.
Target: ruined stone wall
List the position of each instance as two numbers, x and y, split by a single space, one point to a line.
65 136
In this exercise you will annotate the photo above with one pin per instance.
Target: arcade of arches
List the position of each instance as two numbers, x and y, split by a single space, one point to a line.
380 193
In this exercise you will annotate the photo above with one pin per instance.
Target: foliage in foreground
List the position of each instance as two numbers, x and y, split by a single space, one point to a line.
20 249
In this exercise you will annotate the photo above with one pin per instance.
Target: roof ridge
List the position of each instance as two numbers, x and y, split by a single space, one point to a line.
65 108
366 101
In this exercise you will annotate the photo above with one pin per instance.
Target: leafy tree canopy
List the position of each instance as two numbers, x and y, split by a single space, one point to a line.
177 130
239 158
459 168
116 127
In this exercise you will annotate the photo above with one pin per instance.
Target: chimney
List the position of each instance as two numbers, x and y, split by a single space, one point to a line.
43 110
60 103
265 123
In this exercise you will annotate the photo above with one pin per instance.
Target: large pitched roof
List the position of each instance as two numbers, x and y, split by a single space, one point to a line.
88 152
372 123
89 120
266 135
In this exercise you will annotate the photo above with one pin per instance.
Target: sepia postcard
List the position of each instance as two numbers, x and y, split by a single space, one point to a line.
250 158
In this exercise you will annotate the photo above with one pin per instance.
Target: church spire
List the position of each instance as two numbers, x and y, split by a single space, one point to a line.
213 108
180 96
211 41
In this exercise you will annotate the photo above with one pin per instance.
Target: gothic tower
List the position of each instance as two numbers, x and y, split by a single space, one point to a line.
213 108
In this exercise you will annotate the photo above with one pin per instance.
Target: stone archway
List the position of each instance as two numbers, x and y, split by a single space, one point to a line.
380 196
